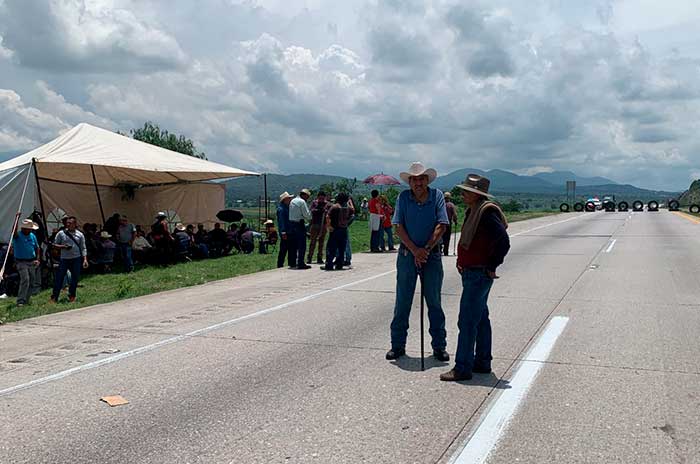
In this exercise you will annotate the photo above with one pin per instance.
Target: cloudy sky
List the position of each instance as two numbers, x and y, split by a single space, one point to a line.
600 87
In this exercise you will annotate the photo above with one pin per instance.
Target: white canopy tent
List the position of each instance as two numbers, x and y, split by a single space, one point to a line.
89 172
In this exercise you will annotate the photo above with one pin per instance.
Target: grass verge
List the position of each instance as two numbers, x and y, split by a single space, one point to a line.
107 288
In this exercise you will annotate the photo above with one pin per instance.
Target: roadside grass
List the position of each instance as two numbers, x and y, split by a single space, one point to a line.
106 288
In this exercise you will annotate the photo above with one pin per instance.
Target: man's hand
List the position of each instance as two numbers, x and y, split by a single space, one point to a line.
36 262
460 269
421 255
85 263
492 274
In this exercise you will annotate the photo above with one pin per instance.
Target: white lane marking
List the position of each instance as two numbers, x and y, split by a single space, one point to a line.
610 247
178 338
548 225
495 421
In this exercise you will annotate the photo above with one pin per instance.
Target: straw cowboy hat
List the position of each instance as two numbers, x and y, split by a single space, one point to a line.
305 192
28 224
269 222
180 227
104 234
448 196
285 195
417 169
476 184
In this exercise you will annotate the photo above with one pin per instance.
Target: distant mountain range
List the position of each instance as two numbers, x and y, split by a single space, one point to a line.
550 183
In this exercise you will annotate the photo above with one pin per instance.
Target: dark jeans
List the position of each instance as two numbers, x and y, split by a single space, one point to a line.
73 265
337 242
446 240
375 240
474 324
288 249
125 253
406 277
300 243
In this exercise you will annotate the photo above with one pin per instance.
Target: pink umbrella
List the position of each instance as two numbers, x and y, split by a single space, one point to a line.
381 179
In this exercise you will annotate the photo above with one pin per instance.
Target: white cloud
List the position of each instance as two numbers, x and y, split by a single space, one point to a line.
80 36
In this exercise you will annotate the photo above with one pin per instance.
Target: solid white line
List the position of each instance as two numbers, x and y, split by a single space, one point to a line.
178 338
610 247
548 225
497 417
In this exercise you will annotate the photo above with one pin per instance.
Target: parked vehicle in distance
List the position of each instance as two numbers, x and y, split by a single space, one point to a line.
596 201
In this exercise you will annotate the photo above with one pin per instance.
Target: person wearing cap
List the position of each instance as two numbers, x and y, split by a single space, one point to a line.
71 242
375 222
271 237
125 236
299 215
452 216
317 229
25 248
107 249
287 245
420 219
483 245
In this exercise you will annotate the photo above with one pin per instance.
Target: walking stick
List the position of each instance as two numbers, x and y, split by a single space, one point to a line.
422 316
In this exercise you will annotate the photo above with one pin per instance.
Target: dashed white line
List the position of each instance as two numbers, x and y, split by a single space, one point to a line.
178 338
547 225
496 419
610 247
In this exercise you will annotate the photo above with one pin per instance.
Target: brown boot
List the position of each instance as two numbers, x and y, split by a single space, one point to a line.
455 376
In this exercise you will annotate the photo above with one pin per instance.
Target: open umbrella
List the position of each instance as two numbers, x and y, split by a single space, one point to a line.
229 215
381 179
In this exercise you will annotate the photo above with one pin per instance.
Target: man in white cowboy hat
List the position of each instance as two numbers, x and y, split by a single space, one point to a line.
299 215
287 244
25 248
420 218
483 245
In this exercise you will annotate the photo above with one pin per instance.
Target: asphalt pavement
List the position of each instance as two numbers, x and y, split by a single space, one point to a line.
596 319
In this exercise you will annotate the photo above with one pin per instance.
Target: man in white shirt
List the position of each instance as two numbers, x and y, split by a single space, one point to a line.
299 215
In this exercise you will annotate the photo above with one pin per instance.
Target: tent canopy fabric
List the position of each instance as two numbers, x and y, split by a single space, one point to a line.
115 160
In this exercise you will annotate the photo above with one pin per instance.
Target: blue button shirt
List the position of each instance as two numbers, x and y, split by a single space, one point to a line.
283 219
25 246
419 220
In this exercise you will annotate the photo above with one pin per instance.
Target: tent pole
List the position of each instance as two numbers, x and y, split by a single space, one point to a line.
41 200
97 191
267 206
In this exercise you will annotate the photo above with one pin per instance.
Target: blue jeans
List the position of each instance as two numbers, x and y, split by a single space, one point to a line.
474 324
389 231
125 254
406 276
300 238
73 265
348 251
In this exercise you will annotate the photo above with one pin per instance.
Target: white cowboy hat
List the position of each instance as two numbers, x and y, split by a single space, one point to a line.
29 224
180 227
269 221
305 191
104 234
417 169
285 195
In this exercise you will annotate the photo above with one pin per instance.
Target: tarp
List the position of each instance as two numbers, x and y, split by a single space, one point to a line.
187 203
162 180
116 159
11 185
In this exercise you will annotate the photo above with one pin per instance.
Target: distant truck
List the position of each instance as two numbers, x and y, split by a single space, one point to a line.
596 201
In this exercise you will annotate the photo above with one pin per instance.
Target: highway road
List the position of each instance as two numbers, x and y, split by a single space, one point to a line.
596 342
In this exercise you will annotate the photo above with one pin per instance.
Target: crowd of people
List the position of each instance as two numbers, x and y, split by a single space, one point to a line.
70 250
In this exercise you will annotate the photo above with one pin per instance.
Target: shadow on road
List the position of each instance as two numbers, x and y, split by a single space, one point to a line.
411 364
